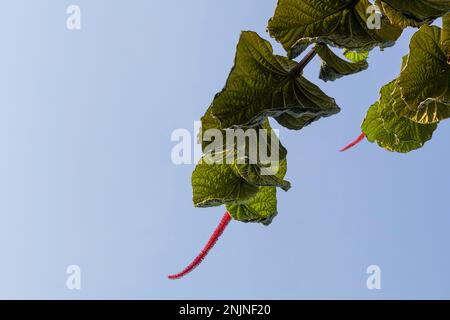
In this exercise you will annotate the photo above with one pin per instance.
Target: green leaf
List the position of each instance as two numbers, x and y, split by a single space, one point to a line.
226 177
293 122
209 122
261 208
216 184
262 84
334 67
340 23
391 132
356 56
265 137
248 190
315 106
423 93
399 19
265 176
445 41
428 111
420 10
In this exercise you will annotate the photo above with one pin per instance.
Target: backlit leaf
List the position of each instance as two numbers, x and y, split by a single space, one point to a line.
260 208
392 132
428 111
426 73
356 56
262 84
422 92
217 184
334 67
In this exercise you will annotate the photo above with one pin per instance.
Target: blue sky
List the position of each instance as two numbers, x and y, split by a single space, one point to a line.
87 178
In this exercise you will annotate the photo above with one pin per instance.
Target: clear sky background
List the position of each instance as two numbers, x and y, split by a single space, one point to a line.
86 176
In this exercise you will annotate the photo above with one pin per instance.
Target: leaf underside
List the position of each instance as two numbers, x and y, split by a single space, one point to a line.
411 107
261 85
333 67
418 12
340 23
391 132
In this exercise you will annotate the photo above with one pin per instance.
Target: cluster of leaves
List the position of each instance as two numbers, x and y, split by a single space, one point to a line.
411 106
263 85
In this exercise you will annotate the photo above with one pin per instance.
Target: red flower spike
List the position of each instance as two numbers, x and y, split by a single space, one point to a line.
212 241
354 143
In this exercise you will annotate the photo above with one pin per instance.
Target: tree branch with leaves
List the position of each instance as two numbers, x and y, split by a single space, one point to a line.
263 85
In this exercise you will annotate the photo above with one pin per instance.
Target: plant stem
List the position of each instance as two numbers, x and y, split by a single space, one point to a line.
212 241
298 69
